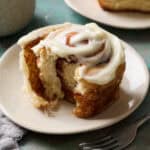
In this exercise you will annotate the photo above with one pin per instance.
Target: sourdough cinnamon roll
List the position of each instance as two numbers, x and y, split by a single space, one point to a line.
82 64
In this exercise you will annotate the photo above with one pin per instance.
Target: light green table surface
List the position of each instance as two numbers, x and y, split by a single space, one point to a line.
56 11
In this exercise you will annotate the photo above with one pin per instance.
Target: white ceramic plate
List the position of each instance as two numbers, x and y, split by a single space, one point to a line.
17 106
127 20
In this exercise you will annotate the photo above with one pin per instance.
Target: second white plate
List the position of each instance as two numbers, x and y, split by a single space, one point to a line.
17 106
127 20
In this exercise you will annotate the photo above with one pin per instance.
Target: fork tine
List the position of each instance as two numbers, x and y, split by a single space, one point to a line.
107 144
110 147
114 146
91 148
96 141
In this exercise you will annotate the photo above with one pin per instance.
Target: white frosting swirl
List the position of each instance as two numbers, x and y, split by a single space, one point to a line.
93 46
57 41
107 73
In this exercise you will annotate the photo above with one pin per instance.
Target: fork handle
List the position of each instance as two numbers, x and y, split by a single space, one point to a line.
142 120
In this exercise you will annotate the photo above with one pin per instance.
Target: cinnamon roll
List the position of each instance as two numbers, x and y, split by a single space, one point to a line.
82 64
128 5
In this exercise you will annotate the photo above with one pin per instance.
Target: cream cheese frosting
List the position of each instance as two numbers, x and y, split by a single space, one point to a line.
92 46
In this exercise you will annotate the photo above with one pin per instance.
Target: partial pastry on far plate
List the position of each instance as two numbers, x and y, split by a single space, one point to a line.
126 5
82 64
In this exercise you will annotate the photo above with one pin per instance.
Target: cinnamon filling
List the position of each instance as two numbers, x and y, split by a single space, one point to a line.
70 35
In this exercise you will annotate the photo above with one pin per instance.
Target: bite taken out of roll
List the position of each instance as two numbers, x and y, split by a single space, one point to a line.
82 64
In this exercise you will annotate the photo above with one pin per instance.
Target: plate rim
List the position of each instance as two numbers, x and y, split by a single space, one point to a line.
69 3
116 120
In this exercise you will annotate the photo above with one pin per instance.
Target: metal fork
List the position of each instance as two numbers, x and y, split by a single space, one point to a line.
117 140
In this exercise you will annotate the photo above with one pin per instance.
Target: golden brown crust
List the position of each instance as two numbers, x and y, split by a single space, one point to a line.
33 77
109 6
98 98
